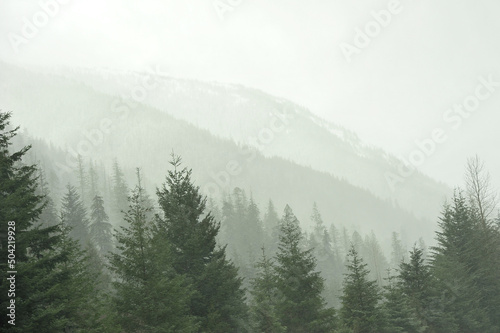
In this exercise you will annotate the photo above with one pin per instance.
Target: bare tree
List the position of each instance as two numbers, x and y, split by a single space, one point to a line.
479 189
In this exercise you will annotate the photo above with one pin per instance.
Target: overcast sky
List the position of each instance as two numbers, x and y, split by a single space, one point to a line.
393 91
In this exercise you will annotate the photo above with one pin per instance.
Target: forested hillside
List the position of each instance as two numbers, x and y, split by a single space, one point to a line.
103 127
95 251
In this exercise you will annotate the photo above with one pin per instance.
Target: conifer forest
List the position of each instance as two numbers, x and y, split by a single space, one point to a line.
232 166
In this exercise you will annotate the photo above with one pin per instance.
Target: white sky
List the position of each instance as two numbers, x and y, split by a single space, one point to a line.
393 93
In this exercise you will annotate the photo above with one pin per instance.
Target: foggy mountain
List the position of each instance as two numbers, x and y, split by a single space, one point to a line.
276 127
230 135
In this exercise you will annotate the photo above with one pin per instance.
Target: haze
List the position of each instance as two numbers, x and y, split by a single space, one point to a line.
395 91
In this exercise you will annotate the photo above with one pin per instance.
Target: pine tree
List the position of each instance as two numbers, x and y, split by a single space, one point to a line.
149 295
93 180
265 298
53 289
48 216
398 253
219 299
101 231
119 193
249 240
74 216
144 196
328 264
360 311
271 228
466 258
400 317
301 307
83 181
424 296
374 257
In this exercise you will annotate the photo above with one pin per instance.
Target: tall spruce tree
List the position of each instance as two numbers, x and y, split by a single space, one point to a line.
466 258
398 253
48 216
149 294
74 216
360 310
301 307
271 228
54 291
400 316
191 232
265 298
426 297
119 192
101 231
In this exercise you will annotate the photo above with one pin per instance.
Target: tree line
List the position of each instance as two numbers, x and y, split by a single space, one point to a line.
184 263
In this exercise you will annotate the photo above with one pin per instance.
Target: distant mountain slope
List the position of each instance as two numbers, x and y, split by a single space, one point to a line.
276 127
62 111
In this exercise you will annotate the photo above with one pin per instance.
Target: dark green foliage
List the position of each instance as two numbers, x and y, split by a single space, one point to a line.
265 298
170 275
100 228
400 316
149 295
301 307
218 301
466 262
54 290
360 301
74 216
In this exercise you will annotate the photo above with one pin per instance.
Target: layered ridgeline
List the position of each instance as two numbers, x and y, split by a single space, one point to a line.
227 134
276 127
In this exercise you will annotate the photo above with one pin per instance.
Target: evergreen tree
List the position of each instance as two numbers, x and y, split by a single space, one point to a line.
301 307
119 192
265 295
48 216
149 295
336 244
74 216
101 231
53 288
374 257
400 317
398 253
466 258
83 181
424 296
360 311
328 264
271 228
144 196
93 183
219 299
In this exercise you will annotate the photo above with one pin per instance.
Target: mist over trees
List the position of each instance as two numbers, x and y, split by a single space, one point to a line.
96 253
